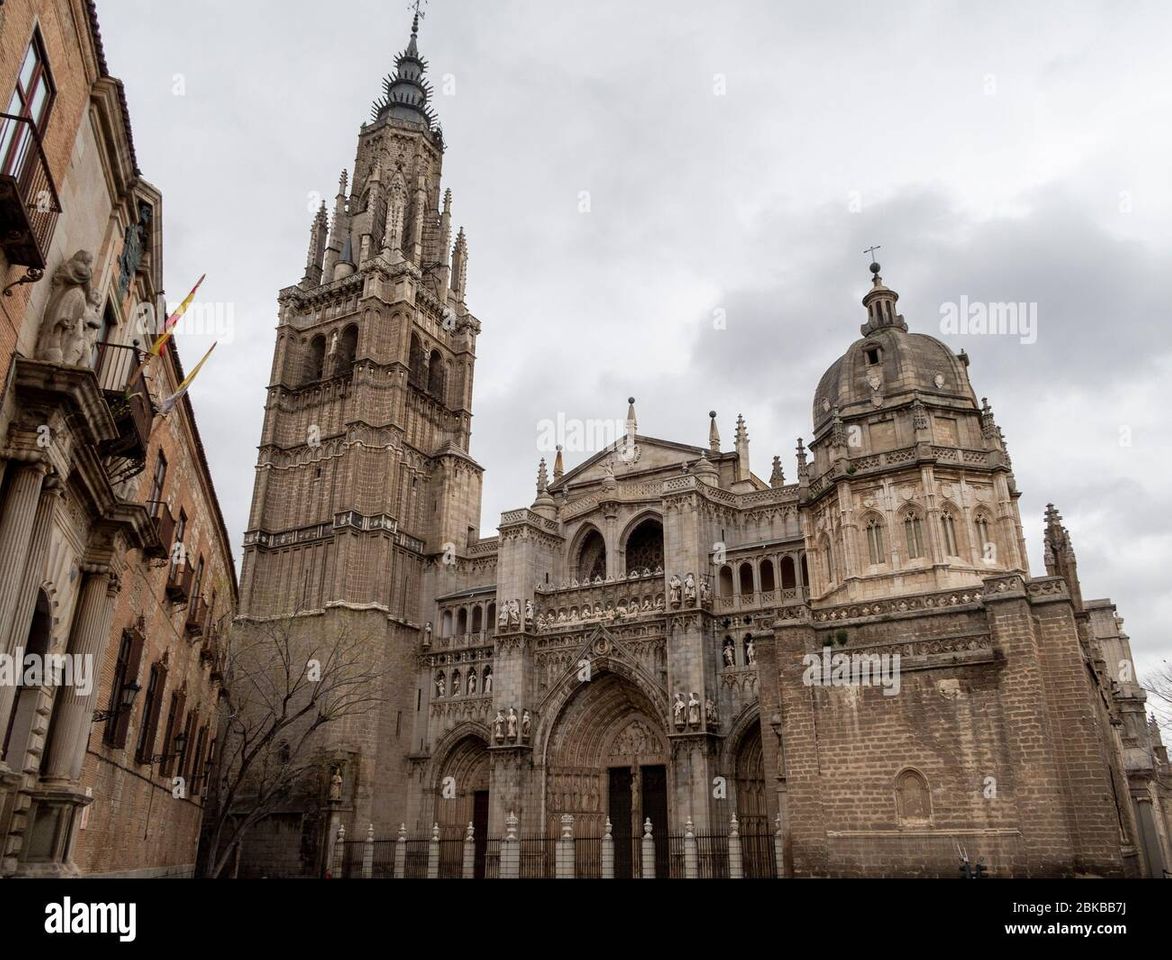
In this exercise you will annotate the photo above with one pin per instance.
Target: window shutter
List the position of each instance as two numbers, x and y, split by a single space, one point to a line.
122 722
153 710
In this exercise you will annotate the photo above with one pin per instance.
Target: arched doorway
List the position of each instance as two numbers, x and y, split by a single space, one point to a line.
752 808
607 758
461 798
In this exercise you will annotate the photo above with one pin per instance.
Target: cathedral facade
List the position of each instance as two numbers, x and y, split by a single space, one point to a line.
857 663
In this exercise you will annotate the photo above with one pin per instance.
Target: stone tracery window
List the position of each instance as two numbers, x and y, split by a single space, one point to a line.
984 542
948 529
875 540
645 547
914 535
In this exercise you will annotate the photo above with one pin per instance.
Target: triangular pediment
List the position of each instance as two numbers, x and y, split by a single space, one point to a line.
650 457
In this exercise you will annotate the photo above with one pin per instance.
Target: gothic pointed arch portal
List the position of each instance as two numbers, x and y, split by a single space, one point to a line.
607 757
461 798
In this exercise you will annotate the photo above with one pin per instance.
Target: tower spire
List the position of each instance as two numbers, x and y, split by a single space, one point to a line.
713 432
406 92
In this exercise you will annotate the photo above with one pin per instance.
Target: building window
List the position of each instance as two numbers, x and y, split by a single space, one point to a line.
914 534
160 478
872 354
180 533
32 98
196 584
150 714
875 541
987 547
125 672
948 528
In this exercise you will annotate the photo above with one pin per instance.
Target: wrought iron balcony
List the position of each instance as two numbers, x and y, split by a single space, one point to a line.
119 371
29 205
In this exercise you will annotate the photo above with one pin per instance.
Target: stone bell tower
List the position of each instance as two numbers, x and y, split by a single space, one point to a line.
364 476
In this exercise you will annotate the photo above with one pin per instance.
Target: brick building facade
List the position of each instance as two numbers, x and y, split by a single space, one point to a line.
646 642
114 561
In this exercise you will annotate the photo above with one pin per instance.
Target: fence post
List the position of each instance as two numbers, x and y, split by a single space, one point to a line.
470 852
368 854
339 851
401 853
691 853
647 871
564 856
433 854
510 855
607 853
736 860
779 848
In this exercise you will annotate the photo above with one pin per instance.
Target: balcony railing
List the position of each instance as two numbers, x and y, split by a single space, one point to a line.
119 371
29 205
179 577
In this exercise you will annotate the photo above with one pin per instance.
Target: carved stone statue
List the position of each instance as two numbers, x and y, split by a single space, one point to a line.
690 590
511 724
677 710
440 685
750 652
705 591
336 784
710 710
693 710
526 725
62 336
674 588
498 727
528 611
488 681
514 614
471 683
730 656
502 620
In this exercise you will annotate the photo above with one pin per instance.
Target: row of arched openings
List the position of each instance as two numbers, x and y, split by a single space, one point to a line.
427 371
744 577
326 358
643 551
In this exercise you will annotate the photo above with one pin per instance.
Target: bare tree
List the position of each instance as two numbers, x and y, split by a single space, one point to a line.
284 682
1158 684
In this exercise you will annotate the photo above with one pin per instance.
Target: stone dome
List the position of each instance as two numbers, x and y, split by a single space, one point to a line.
890 365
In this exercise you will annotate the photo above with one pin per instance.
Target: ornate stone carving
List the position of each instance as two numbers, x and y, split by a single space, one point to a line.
675 588
71 315
693 711
678 709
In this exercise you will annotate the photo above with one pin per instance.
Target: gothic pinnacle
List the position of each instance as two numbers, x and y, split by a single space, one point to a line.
713 432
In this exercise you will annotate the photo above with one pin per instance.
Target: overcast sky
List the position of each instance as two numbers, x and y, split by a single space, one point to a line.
738 157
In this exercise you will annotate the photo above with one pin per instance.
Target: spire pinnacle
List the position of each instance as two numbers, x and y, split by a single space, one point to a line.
406 92
558 466
713 432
